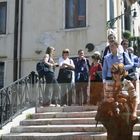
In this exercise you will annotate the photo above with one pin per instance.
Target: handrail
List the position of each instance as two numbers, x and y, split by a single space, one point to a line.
28 92
18 96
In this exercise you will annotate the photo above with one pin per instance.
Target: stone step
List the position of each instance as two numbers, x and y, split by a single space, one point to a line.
69 109
84 114
58 128
62 136
67 114
62 123
66 109
58 121
63 128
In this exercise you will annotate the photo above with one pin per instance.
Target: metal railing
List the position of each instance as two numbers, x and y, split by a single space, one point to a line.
28 92
25 93
17 97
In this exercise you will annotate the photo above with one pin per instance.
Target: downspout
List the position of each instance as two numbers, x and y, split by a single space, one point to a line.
127 19
20 40
15 61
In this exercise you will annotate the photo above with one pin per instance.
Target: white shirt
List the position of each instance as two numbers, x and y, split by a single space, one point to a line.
120 49
69 62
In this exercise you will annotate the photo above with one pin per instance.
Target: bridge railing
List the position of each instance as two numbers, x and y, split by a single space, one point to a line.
17 97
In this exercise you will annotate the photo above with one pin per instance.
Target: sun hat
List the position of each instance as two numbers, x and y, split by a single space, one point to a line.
97 52
96 55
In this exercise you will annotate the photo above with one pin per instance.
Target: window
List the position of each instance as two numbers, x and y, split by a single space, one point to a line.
1 75
3 9
75 13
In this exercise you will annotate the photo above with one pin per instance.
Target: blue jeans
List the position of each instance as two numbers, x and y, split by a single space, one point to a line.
52 89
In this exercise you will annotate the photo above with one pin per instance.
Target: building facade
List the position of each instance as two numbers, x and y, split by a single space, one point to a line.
28 27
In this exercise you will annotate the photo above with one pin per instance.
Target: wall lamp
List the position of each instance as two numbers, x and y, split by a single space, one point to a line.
110 23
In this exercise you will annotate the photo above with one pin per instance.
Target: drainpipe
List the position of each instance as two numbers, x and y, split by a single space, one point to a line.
15 61
20 39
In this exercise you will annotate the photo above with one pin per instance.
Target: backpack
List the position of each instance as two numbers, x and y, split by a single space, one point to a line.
105 53
131 73
41 68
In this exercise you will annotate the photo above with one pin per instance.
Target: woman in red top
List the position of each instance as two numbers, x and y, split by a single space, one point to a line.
95 79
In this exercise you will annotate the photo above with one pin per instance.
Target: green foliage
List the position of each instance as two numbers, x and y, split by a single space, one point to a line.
134 41
29 116
126 34
134 38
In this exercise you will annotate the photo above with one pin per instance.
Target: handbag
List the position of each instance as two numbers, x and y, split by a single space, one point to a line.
98 76
64 76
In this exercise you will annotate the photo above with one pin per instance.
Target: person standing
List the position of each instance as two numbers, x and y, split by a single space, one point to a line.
81 78
134 58
95 79
66 70
114 57
111 38
123 103
125 44
52 89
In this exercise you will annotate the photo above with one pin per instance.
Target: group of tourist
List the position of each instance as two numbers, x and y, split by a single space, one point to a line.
80 75
73 76
118 109
76 75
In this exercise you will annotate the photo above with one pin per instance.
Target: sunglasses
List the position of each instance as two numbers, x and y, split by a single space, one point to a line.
125 44
116 72
65 52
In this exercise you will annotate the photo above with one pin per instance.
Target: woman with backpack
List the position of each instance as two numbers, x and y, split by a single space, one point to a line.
52 90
